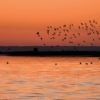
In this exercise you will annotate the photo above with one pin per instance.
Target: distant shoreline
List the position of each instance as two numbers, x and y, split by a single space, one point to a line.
50 50
53 53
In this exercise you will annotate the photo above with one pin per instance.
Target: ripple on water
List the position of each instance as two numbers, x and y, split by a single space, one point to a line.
58 99
32 96
6 99
17 82
87 83
90 99
39 87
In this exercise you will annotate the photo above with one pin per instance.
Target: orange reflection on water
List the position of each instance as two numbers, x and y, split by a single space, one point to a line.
49 78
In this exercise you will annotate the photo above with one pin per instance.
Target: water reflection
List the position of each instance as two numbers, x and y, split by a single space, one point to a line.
25 78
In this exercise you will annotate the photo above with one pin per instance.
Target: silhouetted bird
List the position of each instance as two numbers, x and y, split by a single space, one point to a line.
80 62
7 62
48 32
91 62
86 63
38 33
56 64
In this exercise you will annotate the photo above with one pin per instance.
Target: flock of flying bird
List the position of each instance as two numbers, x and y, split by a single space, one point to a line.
83 34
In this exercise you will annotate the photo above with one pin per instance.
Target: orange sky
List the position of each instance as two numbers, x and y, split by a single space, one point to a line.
20 19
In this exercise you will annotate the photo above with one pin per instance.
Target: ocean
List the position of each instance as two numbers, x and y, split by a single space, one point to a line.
49 78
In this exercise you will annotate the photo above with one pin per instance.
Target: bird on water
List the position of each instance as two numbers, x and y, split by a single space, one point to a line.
7 62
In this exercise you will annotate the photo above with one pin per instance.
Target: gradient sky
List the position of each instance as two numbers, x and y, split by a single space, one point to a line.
21 19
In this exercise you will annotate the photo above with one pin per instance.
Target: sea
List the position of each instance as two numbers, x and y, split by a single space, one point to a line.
49 78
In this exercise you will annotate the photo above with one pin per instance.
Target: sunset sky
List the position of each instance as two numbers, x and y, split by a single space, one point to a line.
21 19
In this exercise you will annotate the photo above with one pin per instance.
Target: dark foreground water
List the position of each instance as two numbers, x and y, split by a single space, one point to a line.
49 78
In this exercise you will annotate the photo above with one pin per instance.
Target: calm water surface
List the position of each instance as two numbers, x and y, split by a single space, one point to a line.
49 78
